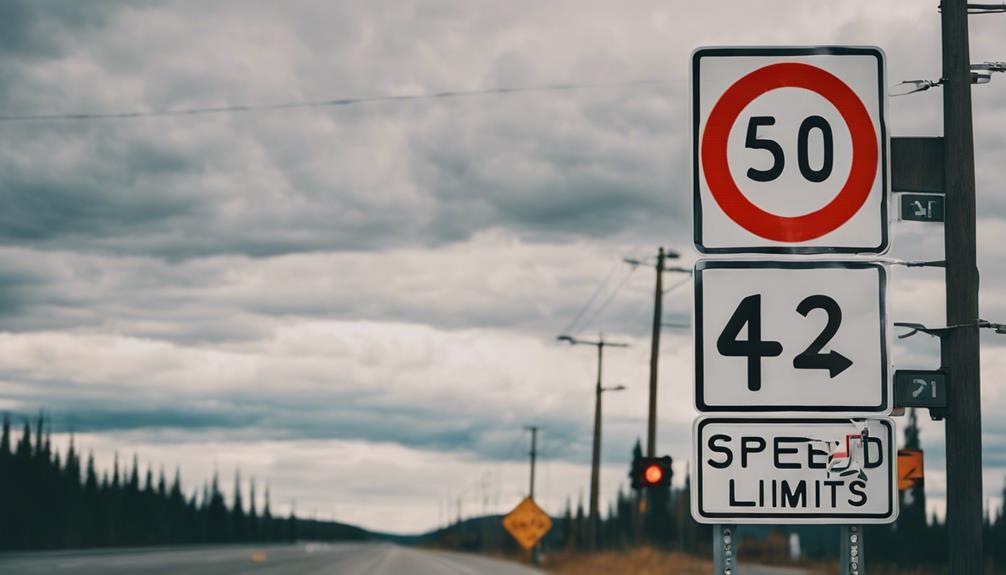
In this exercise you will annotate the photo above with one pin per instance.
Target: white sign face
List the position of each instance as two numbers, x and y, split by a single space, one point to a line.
794 471
792 336
790 150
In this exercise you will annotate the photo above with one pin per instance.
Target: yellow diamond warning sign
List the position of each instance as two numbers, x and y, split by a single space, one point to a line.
527 523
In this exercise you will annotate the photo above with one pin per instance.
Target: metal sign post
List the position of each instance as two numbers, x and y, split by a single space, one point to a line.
724 555
852 558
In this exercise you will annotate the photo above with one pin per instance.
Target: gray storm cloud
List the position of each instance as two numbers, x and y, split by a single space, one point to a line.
391 272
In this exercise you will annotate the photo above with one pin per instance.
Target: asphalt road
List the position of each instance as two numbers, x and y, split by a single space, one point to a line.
305 559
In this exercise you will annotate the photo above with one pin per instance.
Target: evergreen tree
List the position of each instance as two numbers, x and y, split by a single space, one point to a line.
237 511
72 470
580 527
23 476
6 484
293 529
269 524
252 529
217 523
39 423
5 438
178 512
93 510
566 536
115 472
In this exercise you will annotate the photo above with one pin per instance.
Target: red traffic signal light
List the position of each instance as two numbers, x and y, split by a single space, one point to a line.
652 472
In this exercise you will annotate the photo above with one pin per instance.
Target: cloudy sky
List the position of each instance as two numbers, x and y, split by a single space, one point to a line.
358 304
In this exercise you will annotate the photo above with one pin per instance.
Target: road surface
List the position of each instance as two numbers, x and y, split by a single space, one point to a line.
304 559
765 570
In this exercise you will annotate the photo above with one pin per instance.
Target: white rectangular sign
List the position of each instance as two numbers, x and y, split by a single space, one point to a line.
790 150
794 471
792 336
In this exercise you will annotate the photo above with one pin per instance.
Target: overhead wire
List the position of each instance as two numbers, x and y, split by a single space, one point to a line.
336 102
590 301
678 284
611 297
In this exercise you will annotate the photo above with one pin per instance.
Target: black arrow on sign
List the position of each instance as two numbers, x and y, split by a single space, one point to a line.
833 361
812 358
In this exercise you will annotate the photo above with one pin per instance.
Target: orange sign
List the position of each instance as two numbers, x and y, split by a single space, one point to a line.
527 523
911 472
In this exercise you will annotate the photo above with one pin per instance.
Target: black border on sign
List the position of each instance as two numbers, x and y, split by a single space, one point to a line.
884 149
891 462
869 410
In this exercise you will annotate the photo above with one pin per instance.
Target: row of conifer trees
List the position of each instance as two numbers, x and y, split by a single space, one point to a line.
51 500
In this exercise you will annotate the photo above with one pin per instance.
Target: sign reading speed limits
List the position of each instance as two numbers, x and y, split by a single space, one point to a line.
794 471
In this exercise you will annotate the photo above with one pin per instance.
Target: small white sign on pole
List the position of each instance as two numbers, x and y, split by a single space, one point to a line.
790 471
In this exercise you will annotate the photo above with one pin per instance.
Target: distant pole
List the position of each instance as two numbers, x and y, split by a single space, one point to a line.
658 316
595 461
536 550
534 453
960 350
658 308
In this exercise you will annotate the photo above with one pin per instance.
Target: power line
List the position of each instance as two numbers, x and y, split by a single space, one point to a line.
318 104
678 284
600 288
590 301
611 297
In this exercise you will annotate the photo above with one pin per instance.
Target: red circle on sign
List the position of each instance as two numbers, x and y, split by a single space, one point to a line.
724 189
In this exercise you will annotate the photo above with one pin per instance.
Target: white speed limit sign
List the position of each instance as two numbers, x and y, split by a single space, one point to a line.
789 150
792 336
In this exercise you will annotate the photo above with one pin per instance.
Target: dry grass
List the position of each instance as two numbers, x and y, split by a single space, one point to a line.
641 561
649 561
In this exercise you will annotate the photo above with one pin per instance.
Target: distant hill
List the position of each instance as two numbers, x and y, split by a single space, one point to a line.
310 529
474 534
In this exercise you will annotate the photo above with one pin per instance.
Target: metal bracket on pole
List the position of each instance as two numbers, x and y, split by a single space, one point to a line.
724 551
852 559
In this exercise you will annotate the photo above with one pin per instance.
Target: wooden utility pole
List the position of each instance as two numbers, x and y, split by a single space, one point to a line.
595 461
536 550
658 314
658 309
960 349
595 458
534 453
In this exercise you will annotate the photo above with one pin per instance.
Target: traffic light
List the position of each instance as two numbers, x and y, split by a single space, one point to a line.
652 472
